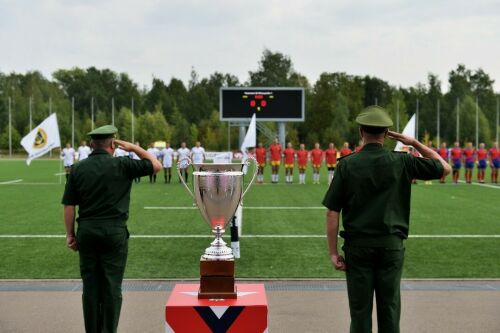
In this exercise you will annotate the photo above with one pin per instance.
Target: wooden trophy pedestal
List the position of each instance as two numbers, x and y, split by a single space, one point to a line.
217 279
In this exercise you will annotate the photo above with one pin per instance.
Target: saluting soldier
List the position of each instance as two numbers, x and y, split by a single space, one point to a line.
100 185
372 190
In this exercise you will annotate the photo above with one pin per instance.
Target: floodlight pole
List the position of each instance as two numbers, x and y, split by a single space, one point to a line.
498 108
72 122
113 111
31 111
281 133
458 121
132 109
10 126
438 123
92 113
397 116
477 123
416 119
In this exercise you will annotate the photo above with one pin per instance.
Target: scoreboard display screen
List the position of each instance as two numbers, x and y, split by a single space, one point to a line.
269 104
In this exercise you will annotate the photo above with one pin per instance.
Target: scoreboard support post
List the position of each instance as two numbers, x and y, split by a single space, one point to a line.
243 132
282 133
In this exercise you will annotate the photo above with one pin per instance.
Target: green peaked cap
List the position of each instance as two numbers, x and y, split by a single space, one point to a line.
374 116
103 132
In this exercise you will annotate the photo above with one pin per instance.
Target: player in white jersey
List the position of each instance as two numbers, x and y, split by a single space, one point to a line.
155 152
83 151
120 152
167 155
68 157
183 152
198 153
134 156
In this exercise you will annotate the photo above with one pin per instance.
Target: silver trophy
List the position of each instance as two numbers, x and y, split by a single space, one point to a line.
218 190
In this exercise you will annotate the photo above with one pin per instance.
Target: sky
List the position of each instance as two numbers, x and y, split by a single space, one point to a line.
397 41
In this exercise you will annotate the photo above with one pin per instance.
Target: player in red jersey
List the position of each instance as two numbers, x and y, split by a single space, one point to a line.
275 151
331 160
456 158
316 158
469 154
494 154
260 156
359 146
302 155
289 161
345 150
482 162
445 155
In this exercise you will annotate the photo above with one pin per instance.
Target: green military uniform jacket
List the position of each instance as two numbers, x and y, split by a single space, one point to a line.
100 185
372 189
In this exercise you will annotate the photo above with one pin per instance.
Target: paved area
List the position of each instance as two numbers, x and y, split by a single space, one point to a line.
294 306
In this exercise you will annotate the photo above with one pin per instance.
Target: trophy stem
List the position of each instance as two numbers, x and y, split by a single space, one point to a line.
218 249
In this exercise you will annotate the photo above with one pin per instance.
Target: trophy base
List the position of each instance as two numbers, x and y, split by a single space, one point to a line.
217 279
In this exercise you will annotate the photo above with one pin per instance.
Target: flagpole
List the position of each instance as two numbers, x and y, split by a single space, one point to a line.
458 120
477 123
438 123
50 112
60 169
72 121
113 111
10 126
132 107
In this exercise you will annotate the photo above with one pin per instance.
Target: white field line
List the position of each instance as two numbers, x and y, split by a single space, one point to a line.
11 182
24 183
483 185
244 207
251 236
59 173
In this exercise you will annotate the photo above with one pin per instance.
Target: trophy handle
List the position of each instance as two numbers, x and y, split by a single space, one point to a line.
181 177
255 169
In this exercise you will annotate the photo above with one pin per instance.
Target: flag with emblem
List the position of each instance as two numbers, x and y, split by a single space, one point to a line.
42 138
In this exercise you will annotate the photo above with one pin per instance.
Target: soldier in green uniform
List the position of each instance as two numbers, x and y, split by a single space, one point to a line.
100 186
372 190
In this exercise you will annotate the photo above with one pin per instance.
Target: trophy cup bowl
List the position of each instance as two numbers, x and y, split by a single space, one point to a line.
217 192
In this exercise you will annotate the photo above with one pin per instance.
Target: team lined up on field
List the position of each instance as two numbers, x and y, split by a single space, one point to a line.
290 157
469 157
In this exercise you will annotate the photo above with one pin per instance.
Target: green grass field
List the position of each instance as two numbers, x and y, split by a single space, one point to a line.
32 207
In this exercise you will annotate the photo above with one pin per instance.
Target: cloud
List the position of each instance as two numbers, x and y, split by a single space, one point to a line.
399 41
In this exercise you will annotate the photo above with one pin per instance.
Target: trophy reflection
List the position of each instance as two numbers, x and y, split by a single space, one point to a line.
217 191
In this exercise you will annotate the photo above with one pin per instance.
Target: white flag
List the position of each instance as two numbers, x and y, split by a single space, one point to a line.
249 141
42 138
251 137
409 130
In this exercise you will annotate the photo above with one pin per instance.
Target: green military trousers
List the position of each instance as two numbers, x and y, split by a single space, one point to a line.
103 249
374 270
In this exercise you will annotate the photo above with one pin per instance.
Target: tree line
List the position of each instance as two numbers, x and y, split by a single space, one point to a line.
176 112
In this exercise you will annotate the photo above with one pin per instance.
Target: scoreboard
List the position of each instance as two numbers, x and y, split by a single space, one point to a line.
268 104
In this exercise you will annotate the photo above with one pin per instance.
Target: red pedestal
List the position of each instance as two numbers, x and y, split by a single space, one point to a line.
185 313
